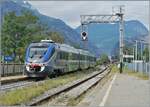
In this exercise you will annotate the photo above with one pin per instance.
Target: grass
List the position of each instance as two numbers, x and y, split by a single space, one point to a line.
75 101
18 96
140 75
114 68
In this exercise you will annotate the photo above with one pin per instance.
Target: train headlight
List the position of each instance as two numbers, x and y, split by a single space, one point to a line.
42 68
27 68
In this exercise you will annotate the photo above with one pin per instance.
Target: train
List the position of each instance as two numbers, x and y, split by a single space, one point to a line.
47 58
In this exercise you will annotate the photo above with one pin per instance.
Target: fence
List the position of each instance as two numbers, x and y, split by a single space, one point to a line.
139 67
12 69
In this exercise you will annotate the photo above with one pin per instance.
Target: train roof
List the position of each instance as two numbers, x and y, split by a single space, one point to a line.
68 48
63 47
41 43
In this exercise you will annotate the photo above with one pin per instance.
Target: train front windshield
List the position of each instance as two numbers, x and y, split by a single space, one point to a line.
37 51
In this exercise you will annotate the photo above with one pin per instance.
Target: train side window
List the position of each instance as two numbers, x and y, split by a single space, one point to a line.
58 55
67 56
91 58
80 57
62 55
74 56
84 57
88 58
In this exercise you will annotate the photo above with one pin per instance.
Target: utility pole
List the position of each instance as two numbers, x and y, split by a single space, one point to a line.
141 51
136 57
121 30
133 53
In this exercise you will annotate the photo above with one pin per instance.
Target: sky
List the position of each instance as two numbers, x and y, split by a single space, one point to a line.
70 11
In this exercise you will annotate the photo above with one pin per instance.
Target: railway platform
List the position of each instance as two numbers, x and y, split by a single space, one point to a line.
12 78
121 90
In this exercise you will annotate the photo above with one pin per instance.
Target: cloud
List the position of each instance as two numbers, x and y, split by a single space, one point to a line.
70 11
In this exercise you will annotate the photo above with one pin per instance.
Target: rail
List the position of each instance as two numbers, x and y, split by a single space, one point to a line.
56 91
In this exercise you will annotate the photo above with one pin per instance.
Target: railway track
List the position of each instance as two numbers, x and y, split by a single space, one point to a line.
72 90
19 84
15 85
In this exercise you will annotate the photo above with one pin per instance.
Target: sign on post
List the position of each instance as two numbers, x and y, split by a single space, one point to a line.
8 58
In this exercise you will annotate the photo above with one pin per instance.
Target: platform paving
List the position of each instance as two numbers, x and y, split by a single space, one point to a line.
124 91
12 78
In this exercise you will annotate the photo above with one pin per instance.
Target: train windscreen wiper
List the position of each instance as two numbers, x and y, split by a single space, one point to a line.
42 54
32 56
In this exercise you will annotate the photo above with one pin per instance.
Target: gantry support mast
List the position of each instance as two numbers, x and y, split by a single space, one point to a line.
106 18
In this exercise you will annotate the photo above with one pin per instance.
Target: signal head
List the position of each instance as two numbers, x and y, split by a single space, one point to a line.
84 36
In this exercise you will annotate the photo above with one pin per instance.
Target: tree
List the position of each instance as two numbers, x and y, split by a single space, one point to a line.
19 31
146 54
103 59
55 36
128 50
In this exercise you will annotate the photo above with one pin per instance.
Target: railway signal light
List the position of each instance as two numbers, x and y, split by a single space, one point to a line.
84 36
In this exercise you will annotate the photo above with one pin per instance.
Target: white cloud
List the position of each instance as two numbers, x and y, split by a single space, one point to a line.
70 11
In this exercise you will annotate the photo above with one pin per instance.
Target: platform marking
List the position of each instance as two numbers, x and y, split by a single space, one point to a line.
108 91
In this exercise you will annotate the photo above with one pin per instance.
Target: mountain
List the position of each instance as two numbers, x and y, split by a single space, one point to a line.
106 36
102 38
70 35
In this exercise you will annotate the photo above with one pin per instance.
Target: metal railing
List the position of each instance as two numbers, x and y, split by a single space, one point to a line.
139 67
12 69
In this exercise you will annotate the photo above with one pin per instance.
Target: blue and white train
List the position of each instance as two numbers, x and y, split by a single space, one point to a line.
47 58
